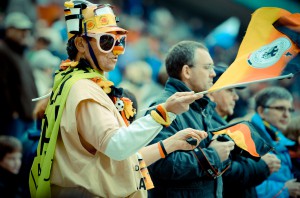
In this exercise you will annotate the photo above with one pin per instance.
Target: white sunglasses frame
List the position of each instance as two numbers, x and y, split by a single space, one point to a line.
98 35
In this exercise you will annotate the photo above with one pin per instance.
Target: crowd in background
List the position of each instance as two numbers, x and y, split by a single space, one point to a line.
152 31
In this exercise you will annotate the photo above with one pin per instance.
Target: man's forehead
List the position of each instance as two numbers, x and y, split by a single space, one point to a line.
202 56
281 102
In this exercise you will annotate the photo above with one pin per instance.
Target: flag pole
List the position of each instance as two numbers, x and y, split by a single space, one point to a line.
42 97
233 86
247 83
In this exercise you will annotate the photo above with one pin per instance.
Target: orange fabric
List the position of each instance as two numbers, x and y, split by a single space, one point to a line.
128 107
146 175
50 13
162 111
292 21
162 155
124 118
260 40
248 139
241 135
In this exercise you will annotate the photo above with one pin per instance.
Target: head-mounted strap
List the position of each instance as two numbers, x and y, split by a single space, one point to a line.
91 49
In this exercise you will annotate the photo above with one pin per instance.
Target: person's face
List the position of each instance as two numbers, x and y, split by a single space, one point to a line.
277 113
12 162
202 72
225 100
106 61
18 35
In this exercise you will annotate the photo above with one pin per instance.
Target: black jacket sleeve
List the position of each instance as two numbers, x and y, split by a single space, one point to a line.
246 172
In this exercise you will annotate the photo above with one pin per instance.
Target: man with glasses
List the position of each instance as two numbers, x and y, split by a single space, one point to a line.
87 147
274 107
244 173
195 173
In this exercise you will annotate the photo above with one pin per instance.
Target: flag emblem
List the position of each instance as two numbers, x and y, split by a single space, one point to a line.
270 54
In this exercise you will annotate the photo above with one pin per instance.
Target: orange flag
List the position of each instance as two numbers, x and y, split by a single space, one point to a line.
246 138
269 49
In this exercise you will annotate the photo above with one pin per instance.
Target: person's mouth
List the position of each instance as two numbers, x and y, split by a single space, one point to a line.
115 58
284 122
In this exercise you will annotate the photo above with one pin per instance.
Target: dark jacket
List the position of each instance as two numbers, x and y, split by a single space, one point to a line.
179 174
16 83
244 173
9 184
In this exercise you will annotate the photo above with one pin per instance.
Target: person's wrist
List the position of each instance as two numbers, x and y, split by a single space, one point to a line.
170 145
171 114
167 108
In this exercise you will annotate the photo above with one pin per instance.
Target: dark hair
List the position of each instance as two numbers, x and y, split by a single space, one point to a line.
181 54
9 144
71 48
268 95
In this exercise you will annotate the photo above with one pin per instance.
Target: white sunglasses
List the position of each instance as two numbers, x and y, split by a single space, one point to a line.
107 41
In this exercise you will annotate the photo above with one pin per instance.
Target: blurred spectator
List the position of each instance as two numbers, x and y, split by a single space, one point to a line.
17 84
274 107
43 64
10 163
17 81
138 80
293 133
27 7
225 100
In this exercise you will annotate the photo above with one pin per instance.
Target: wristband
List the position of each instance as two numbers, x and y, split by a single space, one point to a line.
161 116
163 148
161 152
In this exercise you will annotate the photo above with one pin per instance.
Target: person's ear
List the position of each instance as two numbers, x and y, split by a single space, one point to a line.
79 43
185 73
260 111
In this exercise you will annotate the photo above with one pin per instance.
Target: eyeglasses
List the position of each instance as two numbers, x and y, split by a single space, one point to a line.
282 109
205 66
107 41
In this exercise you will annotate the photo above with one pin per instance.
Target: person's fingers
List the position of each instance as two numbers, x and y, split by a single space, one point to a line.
274 167
194 136
201 134
186 93
189 98
190 93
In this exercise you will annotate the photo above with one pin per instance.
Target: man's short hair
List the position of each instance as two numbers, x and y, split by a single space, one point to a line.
267 96
9 144
181 54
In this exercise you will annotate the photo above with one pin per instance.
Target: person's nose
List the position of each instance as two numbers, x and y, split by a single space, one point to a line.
286 113
212 73
235 96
